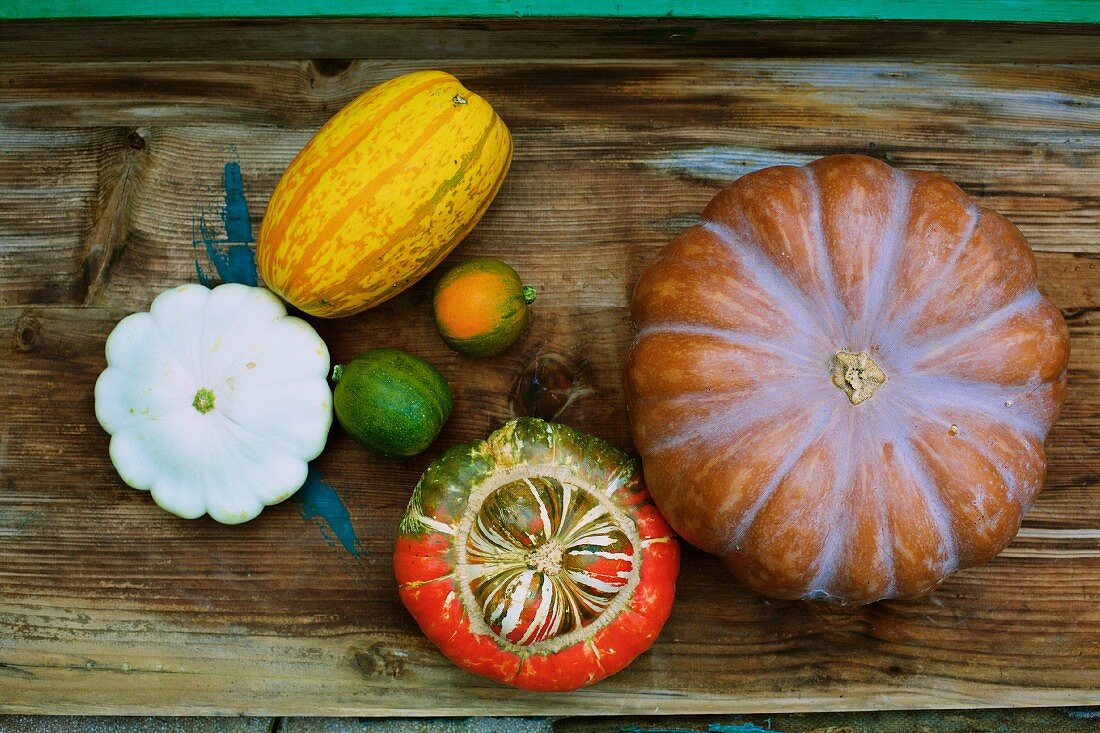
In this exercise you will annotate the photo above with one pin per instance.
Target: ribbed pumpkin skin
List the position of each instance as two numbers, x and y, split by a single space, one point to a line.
754 454
381 194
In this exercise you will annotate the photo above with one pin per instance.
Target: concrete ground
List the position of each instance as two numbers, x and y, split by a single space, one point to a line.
1033 720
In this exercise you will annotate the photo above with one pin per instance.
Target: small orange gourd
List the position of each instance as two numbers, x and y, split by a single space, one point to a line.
480 307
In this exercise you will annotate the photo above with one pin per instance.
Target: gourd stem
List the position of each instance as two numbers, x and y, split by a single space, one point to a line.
337 372
856 375
529 294
204 400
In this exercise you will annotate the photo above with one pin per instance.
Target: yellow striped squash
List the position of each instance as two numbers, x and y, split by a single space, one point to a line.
381 194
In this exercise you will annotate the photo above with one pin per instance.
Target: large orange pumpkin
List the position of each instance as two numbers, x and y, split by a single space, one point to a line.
842 380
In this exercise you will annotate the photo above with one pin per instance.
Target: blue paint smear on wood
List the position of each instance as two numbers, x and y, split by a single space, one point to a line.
238 223
233 257
318 500
234 261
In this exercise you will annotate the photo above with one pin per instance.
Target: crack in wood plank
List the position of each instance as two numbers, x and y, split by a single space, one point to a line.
11 669
110 229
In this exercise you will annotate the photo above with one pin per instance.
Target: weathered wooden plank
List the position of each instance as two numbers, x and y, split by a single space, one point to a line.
107 173
135 198
922 101
801 659
518 38
55 194
580 348
137 724
1024 139
435 725
773 656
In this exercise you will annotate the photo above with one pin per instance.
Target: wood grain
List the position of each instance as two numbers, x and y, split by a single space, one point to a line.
107 604
334 40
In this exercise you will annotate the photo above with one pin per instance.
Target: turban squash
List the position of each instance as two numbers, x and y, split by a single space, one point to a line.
842 380
536 557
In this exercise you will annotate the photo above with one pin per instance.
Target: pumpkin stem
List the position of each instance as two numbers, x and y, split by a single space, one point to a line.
857 375
204 400
337 372
529 294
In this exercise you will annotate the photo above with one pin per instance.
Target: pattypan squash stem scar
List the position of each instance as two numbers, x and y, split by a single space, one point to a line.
204 400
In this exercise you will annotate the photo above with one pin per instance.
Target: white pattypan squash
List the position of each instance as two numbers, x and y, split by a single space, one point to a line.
215 400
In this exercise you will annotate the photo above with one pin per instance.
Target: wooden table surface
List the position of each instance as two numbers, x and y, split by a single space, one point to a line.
120 177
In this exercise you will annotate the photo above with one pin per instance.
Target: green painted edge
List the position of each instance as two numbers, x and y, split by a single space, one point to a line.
1031 11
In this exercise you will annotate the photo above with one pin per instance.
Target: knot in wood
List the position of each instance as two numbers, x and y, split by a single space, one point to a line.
548 385
135 141
28 333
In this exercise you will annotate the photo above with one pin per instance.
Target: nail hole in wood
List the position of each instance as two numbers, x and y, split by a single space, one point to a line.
27 334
